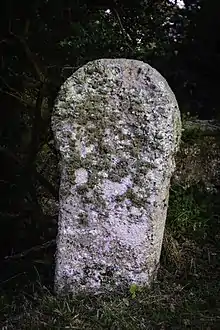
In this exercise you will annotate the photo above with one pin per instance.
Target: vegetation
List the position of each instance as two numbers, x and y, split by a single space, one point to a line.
42 42
184 295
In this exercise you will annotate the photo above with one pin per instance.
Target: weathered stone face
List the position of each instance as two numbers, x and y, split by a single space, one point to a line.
117 127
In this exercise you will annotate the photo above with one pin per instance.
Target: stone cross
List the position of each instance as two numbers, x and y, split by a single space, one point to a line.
117 128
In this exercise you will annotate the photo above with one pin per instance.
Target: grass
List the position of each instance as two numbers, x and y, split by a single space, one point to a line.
184 296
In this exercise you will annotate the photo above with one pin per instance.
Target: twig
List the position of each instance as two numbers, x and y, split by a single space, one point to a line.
123 29
18 98
17 94
11 278
30 56
9 87
34 172
26 27
45 183
4 40
34 248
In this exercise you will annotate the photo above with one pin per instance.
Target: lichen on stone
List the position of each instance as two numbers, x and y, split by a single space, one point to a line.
117 128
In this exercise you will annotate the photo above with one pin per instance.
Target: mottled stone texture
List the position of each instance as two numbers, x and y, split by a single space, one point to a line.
117 128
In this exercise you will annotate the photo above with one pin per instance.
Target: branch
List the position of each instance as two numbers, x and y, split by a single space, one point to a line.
126 35
31 57
3 40
7 85
44 182
17 94
33 249
26 27
17 98
11 278
36 122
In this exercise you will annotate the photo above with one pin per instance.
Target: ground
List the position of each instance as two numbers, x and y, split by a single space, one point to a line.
184 296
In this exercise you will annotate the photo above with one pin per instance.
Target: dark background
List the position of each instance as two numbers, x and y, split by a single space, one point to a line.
43 42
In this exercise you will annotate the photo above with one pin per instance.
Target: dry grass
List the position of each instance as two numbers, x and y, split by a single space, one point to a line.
185 295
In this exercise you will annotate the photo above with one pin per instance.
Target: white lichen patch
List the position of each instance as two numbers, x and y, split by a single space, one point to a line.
81 176
111 189
117 127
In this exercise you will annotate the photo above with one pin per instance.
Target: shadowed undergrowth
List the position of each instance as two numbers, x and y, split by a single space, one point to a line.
185 295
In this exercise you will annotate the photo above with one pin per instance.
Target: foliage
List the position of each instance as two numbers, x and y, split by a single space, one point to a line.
188 214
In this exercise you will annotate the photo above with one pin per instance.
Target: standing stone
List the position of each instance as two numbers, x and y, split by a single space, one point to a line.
117 128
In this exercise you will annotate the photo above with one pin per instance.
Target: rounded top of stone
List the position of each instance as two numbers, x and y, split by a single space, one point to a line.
130 69
110 75
110 92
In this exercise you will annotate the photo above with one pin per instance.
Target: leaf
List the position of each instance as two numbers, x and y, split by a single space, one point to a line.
133 289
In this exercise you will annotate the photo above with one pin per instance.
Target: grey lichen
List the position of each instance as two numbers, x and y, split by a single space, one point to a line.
117 127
